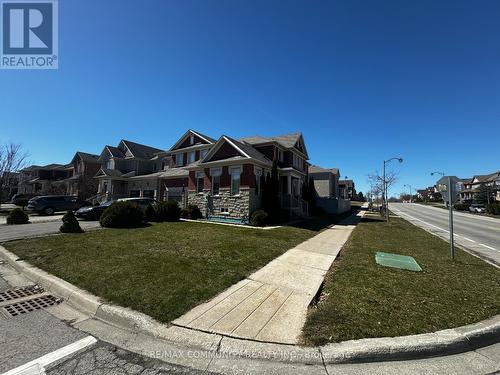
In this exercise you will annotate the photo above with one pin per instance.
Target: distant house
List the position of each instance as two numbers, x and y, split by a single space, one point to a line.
326 181
39 180
80 176
328 192
458 184
10 182
119 164
471 186
347 189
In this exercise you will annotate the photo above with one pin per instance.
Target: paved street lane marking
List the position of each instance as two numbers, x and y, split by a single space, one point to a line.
468 239
488 247
38 365
435 226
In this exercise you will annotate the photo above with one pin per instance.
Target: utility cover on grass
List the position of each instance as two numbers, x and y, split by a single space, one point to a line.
403 262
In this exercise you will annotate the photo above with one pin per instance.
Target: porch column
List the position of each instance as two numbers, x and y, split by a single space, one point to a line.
289 184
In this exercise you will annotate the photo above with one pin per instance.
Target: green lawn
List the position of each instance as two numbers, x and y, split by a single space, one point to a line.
362 299
162 270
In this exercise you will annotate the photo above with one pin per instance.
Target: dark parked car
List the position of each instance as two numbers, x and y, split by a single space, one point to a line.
92 212
48 204
21 199
95 212
142 202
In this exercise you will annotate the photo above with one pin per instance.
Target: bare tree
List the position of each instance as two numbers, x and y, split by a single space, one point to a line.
377 182
12 159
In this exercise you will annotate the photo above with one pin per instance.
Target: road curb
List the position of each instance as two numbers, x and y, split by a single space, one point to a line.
444 342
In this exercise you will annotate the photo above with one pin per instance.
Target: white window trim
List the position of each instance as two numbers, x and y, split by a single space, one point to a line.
193 154
232 171
215 172
214 194
200 175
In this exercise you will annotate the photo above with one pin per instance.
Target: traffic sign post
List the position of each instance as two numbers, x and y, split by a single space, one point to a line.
451 199
450 207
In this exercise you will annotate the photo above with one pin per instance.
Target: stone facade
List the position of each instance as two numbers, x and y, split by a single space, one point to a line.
226 205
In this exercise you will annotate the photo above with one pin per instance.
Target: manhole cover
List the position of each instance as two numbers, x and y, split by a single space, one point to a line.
16 293
30 305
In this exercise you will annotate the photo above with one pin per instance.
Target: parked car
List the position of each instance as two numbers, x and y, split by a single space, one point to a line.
95 212
48 204
21 199
92 212
142 202
477 208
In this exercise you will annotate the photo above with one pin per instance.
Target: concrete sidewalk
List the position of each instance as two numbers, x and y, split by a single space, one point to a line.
271 304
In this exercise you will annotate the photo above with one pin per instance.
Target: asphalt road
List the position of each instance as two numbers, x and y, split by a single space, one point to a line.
15 232
477 233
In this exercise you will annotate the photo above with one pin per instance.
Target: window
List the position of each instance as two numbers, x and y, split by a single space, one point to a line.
191 157
297 162
200 181
148 194
110 164
162 165
203 153
179 160
224 210
191 139
135 193
235 181
155 166
280 155
215 173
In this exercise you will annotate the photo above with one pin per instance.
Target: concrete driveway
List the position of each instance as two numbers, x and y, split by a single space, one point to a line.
17 232
479 234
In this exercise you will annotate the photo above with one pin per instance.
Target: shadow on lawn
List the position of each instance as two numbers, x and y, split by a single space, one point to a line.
321 222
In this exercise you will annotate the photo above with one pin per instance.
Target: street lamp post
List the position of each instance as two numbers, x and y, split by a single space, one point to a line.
384 188
450 210
410 191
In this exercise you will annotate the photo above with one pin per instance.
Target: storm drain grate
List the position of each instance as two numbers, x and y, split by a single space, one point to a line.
30 305
16 293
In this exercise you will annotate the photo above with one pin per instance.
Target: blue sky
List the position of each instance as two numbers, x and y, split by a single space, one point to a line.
363 80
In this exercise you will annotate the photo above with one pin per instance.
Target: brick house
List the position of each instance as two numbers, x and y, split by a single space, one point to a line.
171 180
81 171
227 182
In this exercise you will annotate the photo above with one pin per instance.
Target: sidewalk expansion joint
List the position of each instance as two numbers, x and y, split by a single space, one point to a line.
236 306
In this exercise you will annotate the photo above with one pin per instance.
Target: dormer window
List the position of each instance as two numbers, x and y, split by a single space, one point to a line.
110 164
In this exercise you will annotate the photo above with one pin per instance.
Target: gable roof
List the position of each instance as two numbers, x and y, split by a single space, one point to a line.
115 151
86 157
206 138
139 150
244 149
287 141
317 169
